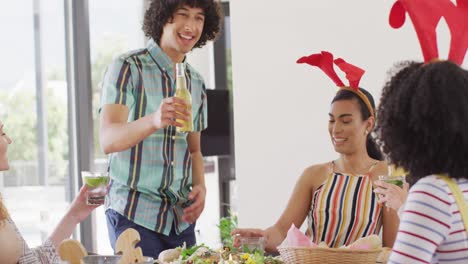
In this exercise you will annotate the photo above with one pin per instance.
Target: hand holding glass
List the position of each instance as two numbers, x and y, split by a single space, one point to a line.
97 187
393 196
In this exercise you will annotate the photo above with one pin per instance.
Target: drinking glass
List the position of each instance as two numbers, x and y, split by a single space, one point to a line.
252 244
396 176
97 186
396 180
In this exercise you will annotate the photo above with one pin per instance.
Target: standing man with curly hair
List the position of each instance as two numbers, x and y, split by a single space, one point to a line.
157 177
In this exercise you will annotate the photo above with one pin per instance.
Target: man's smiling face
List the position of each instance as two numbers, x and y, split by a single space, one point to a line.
182 31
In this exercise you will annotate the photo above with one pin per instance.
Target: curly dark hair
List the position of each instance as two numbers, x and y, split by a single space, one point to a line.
160 12
372 148
422 119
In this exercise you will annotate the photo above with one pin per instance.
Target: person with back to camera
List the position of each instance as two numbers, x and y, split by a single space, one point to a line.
346 181
422 123
157 175
13 247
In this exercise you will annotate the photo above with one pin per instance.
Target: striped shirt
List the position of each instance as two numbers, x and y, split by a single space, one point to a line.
431 229
151 180
44 254
344 208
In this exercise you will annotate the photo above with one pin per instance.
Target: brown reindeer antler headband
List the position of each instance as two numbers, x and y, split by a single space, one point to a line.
324 61
426 15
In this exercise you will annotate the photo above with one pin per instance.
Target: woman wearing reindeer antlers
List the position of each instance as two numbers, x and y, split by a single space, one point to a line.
422 121
337 196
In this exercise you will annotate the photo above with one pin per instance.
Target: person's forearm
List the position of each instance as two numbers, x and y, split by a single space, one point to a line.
391 221
274 238
63 230
198 170
121 136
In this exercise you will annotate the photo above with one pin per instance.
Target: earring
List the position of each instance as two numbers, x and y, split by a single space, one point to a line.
367 131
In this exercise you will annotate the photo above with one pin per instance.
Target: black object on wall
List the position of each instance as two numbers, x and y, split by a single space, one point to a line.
216 139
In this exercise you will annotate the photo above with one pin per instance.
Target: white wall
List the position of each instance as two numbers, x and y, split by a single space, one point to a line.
280 107
202 59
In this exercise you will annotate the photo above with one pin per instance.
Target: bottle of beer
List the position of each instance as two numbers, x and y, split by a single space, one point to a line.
183 93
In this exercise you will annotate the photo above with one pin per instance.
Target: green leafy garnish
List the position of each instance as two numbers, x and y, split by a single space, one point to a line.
189 251
226 225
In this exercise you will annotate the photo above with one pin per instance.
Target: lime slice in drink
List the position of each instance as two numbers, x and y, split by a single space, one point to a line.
396 182
96 181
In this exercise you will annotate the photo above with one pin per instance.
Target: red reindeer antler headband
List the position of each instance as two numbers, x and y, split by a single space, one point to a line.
325 62
426 15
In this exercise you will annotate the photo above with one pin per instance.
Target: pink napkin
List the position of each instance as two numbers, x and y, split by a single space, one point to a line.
295 238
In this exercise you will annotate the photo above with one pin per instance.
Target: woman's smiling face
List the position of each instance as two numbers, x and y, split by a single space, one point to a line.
348 132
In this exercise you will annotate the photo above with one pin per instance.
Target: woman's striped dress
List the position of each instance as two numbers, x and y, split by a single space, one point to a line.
344 209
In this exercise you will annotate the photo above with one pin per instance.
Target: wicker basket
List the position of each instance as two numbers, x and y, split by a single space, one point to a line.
305 255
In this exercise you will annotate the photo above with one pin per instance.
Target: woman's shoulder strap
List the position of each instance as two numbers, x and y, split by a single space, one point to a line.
372 166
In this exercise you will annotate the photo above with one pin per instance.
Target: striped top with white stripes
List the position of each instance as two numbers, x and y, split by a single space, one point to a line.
431 229
43 254
344 208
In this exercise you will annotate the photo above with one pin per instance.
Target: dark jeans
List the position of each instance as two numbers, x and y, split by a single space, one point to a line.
151 243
